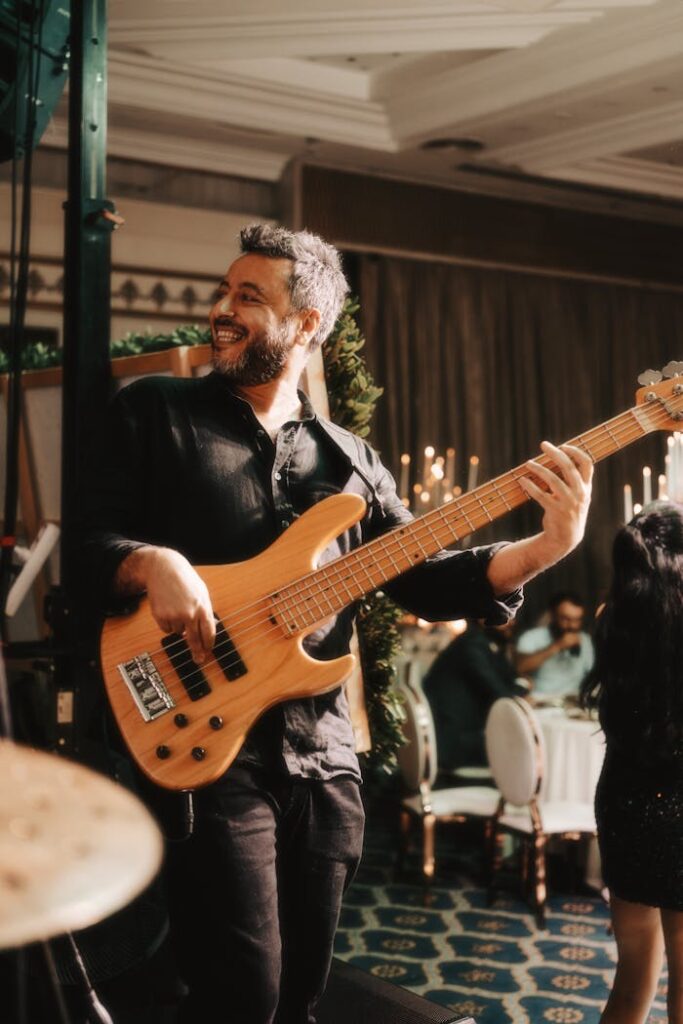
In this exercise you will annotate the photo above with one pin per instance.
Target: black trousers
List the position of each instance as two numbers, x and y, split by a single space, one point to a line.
255 894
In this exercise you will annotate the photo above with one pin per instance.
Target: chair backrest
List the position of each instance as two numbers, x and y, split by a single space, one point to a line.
515 749
417 757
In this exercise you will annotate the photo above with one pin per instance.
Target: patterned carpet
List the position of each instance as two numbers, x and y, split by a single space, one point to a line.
491 963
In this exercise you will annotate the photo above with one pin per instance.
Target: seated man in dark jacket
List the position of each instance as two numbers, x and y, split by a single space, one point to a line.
462 684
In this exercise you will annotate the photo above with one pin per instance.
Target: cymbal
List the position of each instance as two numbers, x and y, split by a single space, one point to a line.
74 846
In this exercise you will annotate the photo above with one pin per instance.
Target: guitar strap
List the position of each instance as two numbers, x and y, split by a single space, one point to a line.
348 446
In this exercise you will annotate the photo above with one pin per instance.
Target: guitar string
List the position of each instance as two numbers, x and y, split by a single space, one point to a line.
245 646
213 668
336 566
470 501
501 494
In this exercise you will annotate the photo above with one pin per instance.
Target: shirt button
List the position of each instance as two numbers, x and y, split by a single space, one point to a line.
278 476
284 523
260 433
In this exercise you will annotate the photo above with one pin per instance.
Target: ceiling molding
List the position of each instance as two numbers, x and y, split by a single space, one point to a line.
617 135
310 76
229 100
641 176
352 29
568 62
178 151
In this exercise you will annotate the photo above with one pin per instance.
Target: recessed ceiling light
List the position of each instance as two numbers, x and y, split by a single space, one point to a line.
466 143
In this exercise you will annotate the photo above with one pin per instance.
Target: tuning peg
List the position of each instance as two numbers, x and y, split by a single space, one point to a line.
673 369
649 377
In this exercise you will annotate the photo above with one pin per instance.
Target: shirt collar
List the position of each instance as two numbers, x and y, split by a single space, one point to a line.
307 410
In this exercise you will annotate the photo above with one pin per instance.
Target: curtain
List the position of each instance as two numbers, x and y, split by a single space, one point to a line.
491 362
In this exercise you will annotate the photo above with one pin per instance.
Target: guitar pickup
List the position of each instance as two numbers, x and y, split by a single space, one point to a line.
225 653
191 676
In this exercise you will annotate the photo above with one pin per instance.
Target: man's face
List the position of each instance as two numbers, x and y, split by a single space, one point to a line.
253 325
568 617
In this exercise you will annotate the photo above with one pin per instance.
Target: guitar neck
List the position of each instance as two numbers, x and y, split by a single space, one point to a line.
326 591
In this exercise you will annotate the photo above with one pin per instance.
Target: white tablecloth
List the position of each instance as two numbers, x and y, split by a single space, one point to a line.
575 750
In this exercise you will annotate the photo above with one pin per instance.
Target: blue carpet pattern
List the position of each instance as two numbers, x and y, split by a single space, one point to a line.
491 963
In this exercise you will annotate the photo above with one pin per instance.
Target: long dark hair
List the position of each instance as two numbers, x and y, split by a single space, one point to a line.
637 680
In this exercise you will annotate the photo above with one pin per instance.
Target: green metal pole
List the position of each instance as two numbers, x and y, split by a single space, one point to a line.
90 219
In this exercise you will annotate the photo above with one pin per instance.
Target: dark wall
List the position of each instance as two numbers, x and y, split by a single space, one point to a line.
357 211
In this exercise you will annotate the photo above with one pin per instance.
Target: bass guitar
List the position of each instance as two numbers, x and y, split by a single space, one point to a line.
185 723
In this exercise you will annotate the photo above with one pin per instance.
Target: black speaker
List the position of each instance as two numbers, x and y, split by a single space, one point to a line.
354 997
22 31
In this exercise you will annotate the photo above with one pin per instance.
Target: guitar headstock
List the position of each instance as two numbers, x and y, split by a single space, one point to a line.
662 393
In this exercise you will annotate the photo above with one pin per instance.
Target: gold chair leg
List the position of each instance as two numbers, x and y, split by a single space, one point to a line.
428 837
495 859
404 840
540 890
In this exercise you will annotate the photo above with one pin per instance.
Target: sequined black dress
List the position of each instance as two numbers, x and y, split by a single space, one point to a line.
639 810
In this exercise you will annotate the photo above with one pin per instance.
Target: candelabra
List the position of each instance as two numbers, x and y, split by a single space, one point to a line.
669 483
437 485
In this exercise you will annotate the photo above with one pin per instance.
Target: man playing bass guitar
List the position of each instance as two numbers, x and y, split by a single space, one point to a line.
213 470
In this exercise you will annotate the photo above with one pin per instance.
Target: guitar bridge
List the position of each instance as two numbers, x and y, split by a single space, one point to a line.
146 686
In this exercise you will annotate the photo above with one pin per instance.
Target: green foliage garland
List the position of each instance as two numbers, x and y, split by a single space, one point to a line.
350 387
136 344
353 397
39 356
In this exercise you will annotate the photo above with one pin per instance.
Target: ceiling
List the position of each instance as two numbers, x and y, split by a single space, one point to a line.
477 93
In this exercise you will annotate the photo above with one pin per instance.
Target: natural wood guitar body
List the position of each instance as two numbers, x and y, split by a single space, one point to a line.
277 666
184 723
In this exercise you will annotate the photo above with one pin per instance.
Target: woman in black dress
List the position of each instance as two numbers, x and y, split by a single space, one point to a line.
637 686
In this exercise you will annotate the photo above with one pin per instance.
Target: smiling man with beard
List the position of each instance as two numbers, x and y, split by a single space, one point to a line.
212 470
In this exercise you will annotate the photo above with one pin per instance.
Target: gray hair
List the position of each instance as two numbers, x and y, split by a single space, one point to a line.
317 280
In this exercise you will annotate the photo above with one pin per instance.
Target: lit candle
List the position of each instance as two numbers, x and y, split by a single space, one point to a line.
472 474
661 487
628 503
405 470
427 469
676 489
437 481
647 485
425 497
637 508
450 465
671 467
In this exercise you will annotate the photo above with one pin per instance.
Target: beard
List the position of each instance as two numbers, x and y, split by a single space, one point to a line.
263 359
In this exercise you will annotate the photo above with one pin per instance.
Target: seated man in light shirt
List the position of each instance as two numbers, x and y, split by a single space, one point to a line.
556 657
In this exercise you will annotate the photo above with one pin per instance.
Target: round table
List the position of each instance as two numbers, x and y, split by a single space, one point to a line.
575 749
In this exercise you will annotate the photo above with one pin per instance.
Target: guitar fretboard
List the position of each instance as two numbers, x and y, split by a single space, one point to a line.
326 591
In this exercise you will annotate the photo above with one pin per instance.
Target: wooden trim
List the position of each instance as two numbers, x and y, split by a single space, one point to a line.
363 212
512 268
179 360
127 268
137 314
48 378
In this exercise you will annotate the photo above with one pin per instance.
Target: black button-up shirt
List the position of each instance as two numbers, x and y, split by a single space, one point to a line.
187 465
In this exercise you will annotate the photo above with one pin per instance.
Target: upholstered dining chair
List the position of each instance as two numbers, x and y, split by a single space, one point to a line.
516 753
418 764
